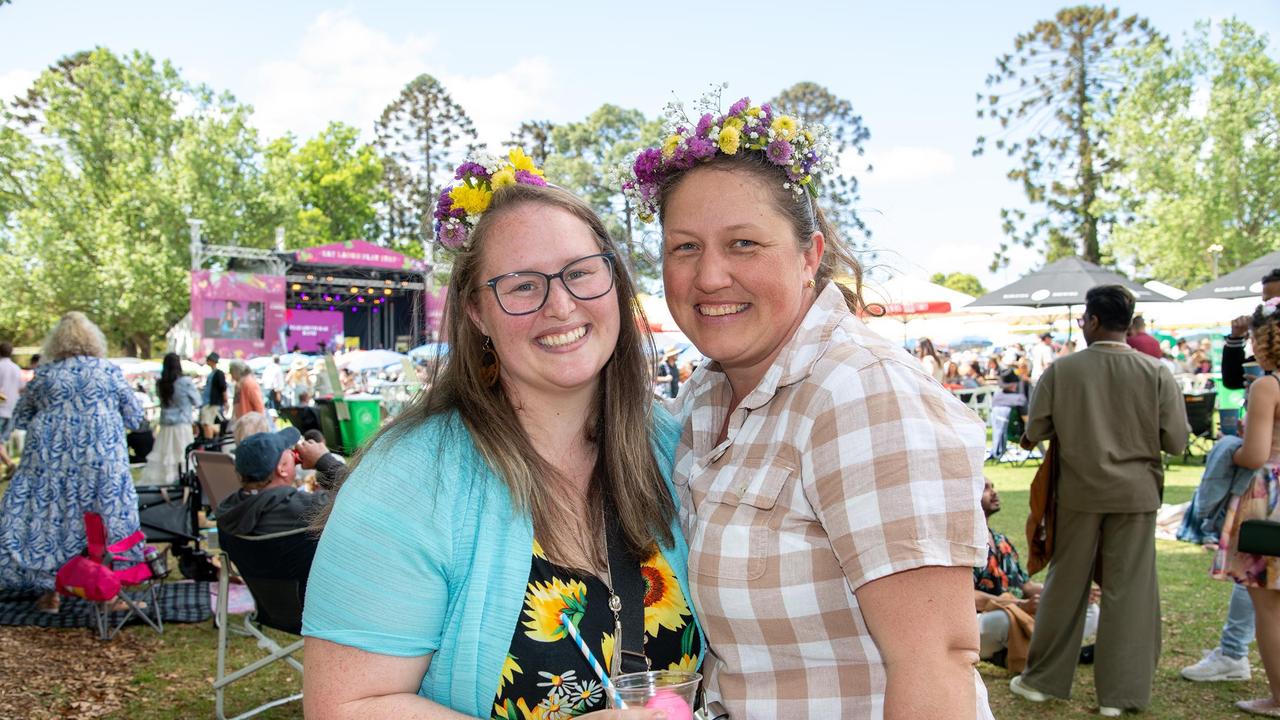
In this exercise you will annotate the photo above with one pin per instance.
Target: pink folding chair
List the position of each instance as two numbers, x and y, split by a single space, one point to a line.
104 579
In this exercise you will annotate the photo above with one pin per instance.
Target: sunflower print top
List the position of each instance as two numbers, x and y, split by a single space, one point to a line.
545 676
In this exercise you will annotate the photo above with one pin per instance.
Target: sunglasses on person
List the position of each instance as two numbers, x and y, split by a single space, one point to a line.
526 291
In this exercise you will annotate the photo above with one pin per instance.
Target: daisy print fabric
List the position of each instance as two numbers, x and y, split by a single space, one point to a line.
545 677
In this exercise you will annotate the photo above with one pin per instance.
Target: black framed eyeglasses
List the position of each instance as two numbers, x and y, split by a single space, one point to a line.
525 292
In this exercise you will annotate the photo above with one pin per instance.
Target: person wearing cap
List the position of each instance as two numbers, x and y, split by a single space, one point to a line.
669 372
215 397
267 501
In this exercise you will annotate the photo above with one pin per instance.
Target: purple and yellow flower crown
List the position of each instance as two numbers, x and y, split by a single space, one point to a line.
461 204
802 152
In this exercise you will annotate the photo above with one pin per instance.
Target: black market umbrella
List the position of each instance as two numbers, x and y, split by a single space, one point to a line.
1061 283
1244 282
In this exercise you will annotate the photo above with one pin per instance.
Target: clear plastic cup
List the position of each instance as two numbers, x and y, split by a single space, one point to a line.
636 689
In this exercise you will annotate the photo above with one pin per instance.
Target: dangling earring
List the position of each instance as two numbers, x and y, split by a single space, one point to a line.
811 283
489 365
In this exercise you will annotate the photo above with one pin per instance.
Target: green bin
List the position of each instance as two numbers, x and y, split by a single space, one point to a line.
329 426
359 417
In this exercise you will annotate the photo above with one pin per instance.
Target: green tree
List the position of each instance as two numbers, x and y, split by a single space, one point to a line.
534 137
838 193
960 282
1051 97
128 151
1197 133
586 152
333 181
420 137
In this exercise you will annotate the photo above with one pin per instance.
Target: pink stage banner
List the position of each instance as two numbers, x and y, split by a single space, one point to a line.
358 253
434 305
237 314
313 330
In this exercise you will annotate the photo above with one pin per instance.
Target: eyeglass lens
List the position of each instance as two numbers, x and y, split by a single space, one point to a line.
525 292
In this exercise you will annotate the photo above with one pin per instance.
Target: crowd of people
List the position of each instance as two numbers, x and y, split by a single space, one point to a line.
802 521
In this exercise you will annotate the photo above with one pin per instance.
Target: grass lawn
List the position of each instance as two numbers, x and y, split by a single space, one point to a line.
171 675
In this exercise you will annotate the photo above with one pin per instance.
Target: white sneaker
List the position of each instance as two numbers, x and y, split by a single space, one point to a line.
1105 711
1017 688
1216 667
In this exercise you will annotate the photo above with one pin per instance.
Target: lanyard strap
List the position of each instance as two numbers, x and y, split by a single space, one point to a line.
627 585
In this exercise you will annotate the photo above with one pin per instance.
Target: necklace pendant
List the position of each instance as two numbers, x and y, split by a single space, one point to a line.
615 603
615 663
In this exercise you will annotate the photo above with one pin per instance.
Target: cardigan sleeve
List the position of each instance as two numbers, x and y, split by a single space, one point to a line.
381 577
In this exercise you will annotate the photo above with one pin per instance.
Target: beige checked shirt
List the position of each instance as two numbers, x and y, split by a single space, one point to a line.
845 464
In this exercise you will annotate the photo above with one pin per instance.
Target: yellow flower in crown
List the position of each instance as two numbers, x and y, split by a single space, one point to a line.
545 601
664 603
669 145
736 123
785 127
504 177
473 200
754 111
730 139
521 161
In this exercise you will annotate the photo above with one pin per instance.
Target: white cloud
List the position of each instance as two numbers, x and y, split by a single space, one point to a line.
499 102
342 69
900 163
14 83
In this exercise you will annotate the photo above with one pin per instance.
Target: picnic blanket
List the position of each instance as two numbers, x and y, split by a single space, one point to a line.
186 601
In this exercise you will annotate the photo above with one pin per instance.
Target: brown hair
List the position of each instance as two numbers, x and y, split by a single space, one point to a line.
1266 335
627 471
801 209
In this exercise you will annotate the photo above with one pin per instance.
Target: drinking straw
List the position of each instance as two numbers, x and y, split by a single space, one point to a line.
591 660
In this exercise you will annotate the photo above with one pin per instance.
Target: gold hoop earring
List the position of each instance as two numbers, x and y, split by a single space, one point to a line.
489 364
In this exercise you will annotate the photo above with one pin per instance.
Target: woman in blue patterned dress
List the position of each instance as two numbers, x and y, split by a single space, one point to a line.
75 411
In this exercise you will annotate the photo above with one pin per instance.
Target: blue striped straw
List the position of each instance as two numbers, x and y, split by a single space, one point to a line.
591 660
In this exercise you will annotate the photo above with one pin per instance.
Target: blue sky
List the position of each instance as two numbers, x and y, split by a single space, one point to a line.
910 68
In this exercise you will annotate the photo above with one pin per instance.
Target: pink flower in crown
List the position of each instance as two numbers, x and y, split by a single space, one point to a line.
452 235
524 177
778 152
648 164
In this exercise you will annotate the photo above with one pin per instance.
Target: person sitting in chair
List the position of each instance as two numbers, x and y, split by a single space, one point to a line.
1001 583
267 501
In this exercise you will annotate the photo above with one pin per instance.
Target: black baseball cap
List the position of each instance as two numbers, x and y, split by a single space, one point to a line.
258 454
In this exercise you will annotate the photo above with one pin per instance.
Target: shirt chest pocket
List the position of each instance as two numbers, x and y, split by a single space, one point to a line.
737 522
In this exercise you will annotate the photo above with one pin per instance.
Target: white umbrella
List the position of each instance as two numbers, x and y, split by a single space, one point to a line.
370 360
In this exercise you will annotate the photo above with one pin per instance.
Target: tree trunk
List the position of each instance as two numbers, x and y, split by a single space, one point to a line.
1087 179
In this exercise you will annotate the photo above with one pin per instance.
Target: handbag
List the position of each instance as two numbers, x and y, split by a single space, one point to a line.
87 578
1259 537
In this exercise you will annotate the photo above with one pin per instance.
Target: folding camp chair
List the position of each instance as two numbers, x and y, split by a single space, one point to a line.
1200 417
217 474
104 579
275 568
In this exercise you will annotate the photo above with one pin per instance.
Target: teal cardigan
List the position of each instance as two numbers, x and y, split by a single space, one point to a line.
424 553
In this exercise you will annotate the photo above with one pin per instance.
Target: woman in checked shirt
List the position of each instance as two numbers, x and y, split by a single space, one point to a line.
831 488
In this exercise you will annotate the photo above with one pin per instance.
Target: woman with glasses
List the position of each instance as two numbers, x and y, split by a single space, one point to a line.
531 480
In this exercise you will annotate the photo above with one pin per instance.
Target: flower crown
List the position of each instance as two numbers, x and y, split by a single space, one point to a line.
802 152
461 204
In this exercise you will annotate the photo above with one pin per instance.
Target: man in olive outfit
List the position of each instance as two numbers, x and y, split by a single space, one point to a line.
1110 411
